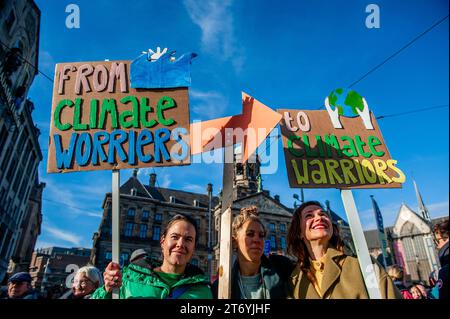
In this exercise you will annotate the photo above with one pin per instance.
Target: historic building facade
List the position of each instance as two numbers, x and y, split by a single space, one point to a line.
30 229
145 210
20 153
410 241
55 267
410 244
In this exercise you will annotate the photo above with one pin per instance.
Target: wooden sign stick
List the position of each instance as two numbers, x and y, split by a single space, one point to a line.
115 222
226 219
371 278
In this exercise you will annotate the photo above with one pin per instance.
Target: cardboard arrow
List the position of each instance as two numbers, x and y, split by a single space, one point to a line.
257 121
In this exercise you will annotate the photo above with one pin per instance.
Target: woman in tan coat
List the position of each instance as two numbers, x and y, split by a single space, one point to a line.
323 271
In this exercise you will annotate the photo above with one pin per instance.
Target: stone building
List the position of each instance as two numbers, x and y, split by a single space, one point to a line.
30 229
145 210
410 244
20 153
55 267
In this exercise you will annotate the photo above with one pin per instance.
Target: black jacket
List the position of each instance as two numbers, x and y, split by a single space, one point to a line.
443 272
275 271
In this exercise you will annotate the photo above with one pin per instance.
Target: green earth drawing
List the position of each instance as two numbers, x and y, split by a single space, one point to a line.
346 101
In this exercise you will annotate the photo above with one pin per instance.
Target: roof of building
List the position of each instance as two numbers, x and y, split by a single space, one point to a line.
373 241
164 194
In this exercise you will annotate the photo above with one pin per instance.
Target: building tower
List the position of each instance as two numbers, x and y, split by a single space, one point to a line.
422 209
247 176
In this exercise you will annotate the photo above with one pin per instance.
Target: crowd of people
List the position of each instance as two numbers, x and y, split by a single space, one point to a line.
319 267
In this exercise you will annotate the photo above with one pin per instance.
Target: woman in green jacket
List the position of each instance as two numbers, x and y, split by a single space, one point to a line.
173 279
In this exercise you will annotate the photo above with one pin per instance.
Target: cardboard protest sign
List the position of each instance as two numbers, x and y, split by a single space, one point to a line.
99 122
325 150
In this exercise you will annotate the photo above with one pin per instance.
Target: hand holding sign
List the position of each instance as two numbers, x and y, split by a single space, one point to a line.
112 277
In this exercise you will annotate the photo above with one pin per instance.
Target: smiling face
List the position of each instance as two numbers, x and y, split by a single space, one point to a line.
250 241
179 243
415 292
82 285
315 224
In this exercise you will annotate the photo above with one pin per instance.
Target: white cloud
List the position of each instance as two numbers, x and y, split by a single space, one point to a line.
63 235
166 181
438 209
215 20
194 188
44 244
208 104
75 199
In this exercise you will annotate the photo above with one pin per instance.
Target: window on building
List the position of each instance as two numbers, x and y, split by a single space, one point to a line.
283 242
131 212
124 259
108 255
158 217
2 194
10 20
273 244
6 157
12 167
3 135
272 226
143 231
145 214
129 229
283 227
156 233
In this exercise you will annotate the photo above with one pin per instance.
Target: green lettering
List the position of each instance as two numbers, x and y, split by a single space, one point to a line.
349 150
108 105
77 125
133 113
309 152
145 108
291 148
360 145
332 143
93 114
165 103
57 115
372 142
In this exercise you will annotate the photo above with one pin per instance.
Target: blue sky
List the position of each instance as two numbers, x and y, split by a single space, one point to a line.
287 54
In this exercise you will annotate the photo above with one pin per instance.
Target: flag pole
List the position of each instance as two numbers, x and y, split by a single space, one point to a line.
380 230
365 263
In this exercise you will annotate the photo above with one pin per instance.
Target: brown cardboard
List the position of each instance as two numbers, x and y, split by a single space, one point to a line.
321 125
180 114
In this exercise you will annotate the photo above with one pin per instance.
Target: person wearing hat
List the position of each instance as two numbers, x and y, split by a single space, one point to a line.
86 281
138 254
19 287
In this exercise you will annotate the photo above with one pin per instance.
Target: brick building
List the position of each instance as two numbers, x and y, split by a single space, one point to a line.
56 266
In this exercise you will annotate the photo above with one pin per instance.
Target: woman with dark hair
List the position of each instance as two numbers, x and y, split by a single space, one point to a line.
323 271
174 278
